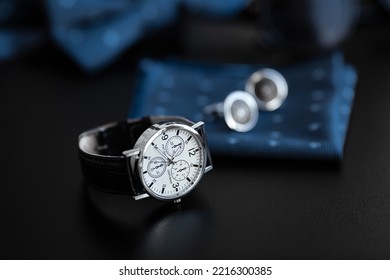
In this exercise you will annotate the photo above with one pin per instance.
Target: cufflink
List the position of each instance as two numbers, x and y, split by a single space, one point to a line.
239 109
269 88
265 90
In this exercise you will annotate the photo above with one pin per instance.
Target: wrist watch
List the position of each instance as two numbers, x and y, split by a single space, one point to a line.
159 156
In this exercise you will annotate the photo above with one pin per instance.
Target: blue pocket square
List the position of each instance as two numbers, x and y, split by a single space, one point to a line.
311 124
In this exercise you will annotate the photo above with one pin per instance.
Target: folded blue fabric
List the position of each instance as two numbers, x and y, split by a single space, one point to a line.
95 32
311 124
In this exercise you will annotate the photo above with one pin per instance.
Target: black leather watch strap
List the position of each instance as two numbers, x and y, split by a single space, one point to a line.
100 149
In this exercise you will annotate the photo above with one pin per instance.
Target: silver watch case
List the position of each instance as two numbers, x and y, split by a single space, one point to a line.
136 156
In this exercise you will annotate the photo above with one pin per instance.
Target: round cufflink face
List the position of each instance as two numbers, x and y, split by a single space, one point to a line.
240 111
269 88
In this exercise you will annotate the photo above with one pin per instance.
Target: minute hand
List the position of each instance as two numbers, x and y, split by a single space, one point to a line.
162 153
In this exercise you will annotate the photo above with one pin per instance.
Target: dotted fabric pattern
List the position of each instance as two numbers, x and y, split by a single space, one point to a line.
311 124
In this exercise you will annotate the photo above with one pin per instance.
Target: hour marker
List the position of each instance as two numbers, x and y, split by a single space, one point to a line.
162 191
192 152
189 138
145 172
151 184
153 144
195 165
188 179
177 189
178 131
145 157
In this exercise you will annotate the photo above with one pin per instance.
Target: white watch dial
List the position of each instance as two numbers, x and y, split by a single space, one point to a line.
172 163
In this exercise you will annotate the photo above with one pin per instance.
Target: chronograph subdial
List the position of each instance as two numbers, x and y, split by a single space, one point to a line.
156 167
174 146
180 170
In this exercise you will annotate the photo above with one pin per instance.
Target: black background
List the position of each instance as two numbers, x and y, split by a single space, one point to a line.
243 209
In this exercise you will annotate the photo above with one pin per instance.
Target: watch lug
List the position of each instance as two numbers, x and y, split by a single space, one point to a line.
198 125
140 196
131 153
208 168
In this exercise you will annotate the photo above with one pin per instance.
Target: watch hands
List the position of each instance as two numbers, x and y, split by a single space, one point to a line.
174 154
177 145
169 176
158 166
163 154
180 170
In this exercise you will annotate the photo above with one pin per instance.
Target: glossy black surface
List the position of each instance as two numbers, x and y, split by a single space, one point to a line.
243 209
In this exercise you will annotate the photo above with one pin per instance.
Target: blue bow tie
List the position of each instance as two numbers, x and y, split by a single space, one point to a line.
95 32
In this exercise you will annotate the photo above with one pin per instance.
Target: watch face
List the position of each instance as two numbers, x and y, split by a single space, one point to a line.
172 162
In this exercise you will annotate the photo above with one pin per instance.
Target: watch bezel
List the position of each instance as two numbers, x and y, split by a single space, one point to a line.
144 143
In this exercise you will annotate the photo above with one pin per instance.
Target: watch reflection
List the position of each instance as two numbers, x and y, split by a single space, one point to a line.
148 229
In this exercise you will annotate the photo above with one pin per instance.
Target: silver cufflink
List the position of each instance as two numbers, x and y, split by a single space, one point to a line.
269 88
265 90
239 109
